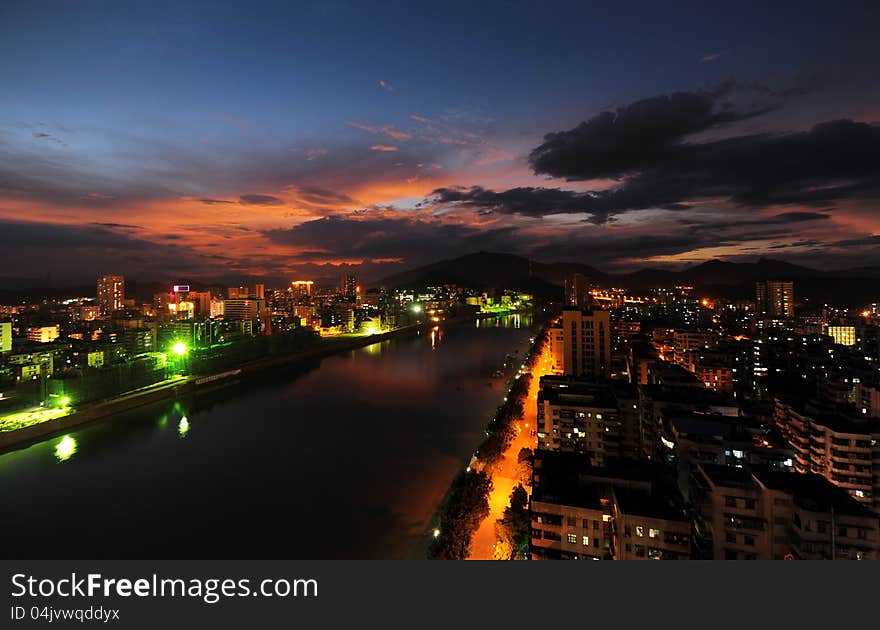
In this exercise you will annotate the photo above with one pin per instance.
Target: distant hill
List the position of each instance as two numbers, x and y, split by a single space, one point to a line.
482 270
716 277
489 270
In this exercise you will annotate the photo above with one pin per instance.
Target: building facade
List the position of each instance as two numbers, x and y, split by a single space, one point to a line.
111 294
775 298
587 343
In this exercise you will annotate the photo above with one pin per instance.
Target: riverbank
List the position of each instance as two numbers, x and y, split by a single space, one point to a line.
465 519
193 385
506 472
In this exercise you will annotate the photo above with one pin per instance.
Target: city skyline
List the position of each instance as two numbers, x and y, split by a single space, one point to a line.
337 139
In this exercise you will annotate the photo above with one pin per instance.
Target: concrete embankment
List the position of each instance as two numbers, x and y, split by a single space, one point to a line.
93 411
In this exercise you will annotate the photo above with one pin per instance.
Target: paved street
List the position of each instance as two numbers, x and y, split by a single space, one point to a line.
505 475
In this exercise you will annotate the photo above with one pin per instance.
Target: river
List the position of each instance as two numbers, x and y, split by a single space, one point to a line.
347 457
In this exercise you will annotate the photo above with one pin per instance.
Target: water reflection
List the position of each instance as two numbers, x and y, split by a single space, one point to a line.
436 336
401 418
65 448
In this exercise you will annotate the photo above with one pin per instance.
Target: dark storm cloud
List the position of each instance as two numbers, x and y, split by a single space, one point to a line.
527 201
414 240
865 241
419 241
604 250
782 219
832 161
122 226
260 200
634 137
78 251
22 235
212 202
796 217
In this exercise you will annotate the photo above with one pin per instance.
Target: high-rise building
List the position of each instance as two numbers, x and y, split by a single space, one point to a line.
43 334
843 335
5 337
216 307
111 294
775 298
238 293
301 288
758 514
259 291
201 301
557 347
349 288
830 443
249 309
587 343
617 512
577 290
578 416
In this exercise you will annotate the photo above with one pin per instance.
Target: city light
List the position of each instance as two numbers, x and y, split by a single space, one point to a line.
65 448
179 348
416 308
65 401
183 426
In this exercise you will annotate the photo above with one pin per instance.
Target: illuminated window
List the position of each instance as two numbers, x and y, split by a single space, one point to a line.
640 531
653 533
586 541
572 539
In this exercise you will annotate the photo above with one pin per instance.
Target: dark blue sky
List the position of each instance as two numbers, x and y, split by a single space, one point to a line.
279 137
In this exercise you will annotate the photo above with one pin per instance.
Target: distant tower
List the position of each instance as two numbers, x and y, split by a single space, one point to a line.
577 288
111 294
775 298
348 288
586 343
301 288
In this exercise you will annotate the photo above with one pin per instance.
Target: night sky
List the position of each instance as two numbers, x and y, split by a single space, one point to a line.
189 140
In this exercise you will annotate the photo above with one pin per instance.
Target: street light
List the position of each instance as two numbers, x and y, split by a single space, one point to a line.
179 348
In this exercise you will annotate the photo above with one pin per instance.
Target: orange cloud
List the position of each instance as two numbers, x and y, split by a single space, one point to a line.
385 130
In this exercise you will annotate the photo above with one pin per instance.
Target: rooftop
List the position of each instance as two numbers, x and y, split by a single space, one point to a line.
728 476
577 392
649 504
812 492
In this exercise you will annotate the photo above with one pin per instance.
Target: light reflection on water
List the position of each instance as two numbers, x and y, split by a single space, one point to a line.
65 448
347 458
